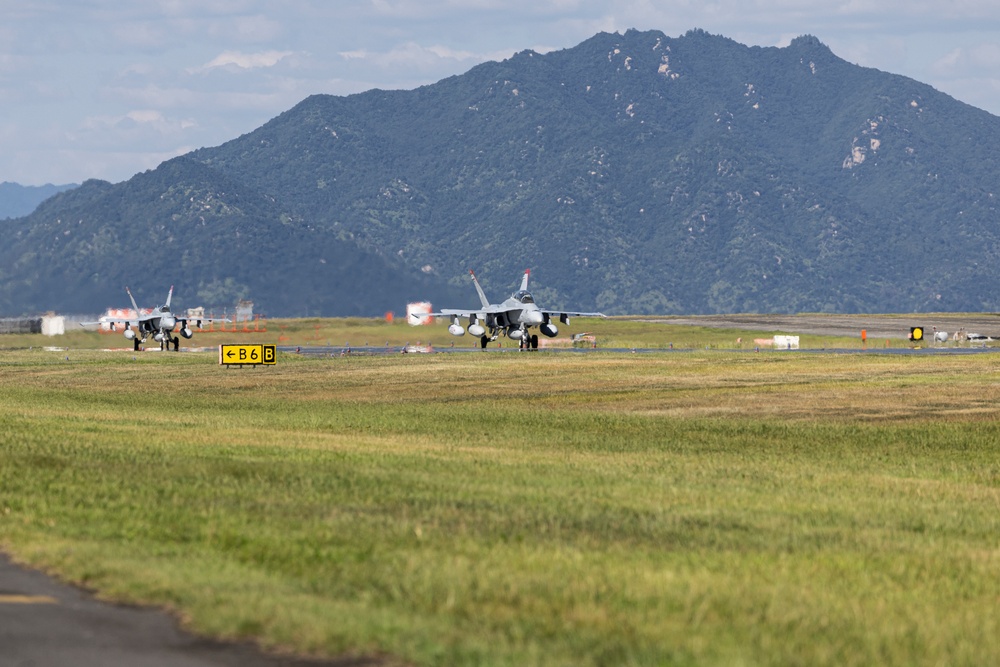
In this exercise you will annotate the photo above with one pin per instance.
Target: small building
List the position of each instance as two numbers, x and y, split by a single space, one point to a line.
20 325
786 342
244 310
53 325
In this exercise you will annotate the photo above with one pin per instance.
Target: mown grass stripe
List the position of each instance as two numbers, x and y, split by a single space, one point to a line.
673 509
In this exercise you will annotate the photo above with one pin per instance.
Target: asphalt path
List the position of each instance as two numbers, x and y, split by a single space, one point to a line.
336 351
44 623
876 326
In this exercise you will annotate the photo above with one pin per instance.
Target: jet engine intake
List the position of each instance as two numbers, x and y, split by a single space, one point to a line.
549 329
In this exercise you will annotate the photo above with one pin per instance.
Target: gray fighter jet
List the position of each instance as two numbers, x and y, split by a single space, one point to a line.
512 318
158 323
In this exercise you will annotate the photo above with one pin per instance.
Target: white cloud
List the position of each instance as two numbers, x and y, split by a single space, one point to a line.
145 116
245 61
138 120
969 73
983 57
413 56
132 81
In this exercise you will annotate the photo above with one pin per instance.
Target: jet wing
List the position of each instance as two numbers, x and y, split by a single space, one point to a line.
114 320
186 318
490 309
107 319
568 313
457 312
496 308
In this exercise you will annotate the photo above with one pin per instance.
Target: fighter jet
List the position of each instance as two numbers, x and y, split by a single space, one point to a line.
159 323
512 318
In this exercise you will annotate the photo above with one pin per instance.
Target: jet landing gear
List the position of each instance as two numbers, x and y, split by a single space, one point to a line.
167 342
526 342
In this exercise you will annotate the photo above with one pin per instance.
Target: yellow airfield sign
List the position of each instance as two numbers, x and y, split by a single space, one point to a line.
247 355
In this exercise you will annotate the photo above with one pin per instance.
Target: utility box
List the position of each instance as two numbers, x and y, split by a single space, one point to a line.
53 325
786 342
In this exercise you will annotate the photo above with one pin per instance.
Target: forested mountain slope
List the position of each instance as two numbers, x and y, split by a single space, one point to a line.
633 173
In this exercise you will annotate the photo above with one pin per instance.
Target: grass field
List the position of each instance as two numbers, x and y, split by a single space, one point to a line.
374 332
691 508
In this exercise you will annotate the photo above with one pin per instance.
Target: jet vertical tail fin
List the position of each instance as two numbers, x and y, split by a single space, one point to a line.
132 299
479 290
524 280
170 295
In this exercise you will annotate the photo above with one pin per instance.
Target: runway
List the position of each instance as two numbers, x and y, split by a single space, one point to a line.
893 327
336 351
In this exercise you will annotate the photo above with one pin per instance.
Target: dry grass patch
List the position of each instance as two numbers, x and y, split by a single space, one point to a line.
695 508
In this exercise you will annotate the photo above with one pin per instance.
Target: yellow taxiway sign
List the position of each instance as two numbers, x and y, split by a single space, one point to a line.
247 355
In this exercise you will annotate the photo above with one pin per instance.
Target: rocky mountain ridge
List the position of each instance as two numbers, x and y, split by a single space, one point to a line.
633 173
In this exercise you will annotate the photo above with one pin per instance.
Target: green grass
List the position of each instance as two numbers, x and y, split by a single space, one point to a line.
376 332
703 508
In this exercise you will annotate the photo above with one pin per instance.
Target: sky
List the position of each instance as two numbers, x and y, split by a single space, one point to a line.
110 88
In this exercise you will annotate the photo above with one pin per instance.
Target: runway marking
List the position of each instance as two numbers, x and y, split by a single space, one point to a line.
27 599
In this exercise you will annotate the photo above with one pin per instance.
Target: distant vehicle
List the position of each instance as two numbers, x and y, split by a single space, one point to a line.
512 318
159 323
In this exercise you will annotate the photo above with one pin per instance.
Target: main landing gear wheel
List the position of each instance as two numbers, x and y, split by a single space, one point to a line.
534 341
135 344
177 344
483 341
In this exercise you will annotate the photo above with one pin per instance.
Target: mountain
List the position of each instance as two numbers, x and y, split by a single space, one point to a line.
215 239
19 200
633 173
